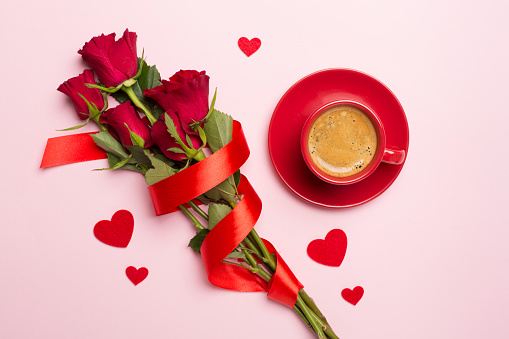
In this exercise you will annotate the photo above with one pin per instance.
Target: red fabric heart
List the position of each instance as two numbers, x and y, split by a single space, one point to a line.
118 231
136 275
249 46
353 296
330 251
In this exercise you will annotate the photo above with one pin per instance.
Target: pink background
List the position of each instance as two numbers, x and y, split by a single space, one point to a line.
431 252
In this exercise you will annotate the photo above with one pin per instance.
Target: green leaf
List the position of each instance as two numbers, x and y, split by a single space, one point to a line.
236 177
176 150
92 107
224 191
164 159
236 255
202 135
218 129
216 213
108 143
113 161
140 156
156 110
197 240
172 129
203 199
135 138
189 141
160 171
140 65
148 79
116 166
75 127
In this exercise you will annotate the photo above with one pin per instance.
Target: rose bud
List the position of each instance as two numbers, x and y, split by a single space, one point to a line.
186 94
117 118
76 86
165 141
113 61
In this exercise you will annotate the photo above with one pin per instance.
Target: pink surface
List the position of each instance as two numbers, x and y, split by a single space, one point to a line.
430 252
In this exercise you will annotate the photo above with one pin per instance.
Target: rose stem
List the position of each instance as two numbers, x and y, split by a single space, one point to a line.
267 277
302 294
326 328
308 311
195 221
310 302
129 91
252 247
330 333
270 258
198 210
302 316
302 310
313 320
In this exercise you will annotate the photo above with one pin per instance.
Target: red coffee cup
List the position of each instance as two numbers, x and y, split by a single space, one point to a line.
340 116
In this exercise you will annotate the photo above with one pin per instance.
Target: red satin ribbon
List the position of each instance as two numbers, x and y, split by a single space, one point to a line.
284 286
227 235
186 185
232 230
70 149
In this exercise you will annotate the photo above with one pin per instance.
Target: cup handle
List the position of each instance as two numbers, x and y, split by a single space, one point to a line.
393 156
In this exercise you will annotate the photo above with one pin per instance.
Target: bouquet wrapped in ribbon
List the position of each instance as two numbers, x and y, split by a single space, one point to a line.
189 154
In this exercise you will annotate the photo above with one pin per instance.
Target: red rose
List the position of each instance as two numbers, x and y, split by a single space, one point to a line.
186 94
76 86
164 140
117 118
113 61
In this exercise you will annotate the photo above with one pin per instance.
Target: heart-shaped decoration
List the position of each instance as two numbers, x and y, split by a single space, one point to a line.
353 296
136 275
118 231
330 251
249 46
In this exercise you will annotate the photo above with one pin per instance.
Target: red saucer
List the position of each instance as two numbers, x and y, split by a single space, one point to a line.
302 99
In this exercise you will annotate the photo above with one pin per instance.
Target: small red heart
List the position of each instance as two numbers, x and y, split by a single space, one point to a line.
353 296
118 231
249 46
136 275
330 251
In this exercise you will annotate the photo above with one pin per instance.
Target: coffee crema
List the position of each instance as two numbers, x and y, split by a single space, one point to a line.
342 141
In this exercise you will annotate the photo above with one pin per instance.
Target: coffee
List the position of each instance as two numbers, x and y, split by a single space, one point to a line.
342 141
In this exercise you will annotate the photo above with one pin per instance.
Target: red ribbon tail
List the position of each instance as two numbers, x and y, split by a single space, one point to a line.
70 149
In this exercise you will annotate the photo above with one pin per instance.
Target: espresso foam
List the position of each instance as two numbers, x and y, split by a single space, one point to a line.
342 141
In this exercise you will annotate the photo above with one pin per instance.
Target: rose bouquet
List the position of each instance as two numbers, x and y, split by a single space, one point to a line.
190 155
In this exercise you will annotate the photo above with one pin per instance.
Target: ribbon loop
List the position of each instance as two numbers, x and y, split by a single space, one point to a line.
225 237
186 185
